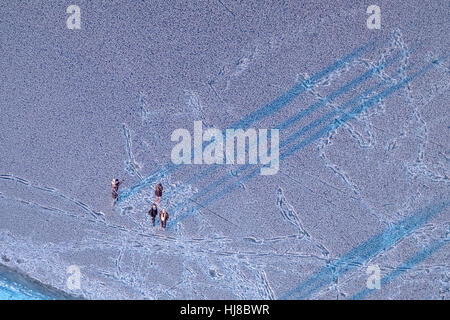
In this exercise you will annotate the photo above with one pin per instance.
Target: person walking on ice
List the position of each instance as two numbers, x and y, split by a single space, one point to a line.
163 216
153 212
158 192
115 189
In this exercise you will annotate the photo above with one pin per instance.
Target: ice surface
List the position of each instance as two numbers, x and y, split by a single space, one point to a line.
364 149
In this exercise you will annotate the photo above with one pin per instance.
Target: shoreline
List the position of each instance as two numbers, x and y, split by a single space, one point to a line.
23 287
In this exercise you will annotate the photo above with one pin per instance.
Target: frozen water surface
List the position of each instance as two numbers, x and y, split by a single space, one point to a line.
364 150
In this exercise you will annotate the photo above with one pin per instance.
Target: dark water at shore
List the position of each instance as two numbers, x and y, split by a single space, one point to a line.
16 286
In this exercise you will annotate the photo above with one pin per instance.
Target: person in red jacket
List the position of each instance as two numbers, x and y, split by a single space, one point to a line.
153 212
163 216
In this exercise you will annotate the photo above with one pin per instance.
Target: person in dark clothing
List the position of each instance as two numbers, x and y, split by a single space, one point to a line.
163 216
158 192
153 212
115 189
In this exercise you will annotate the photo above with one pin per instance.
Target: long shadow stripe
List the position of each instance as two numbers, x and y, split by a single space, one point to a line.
296 90
123 195
368 249
361 108
347 116
215 184
264 111
406 266
347 87
340 110
364 95
191 180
